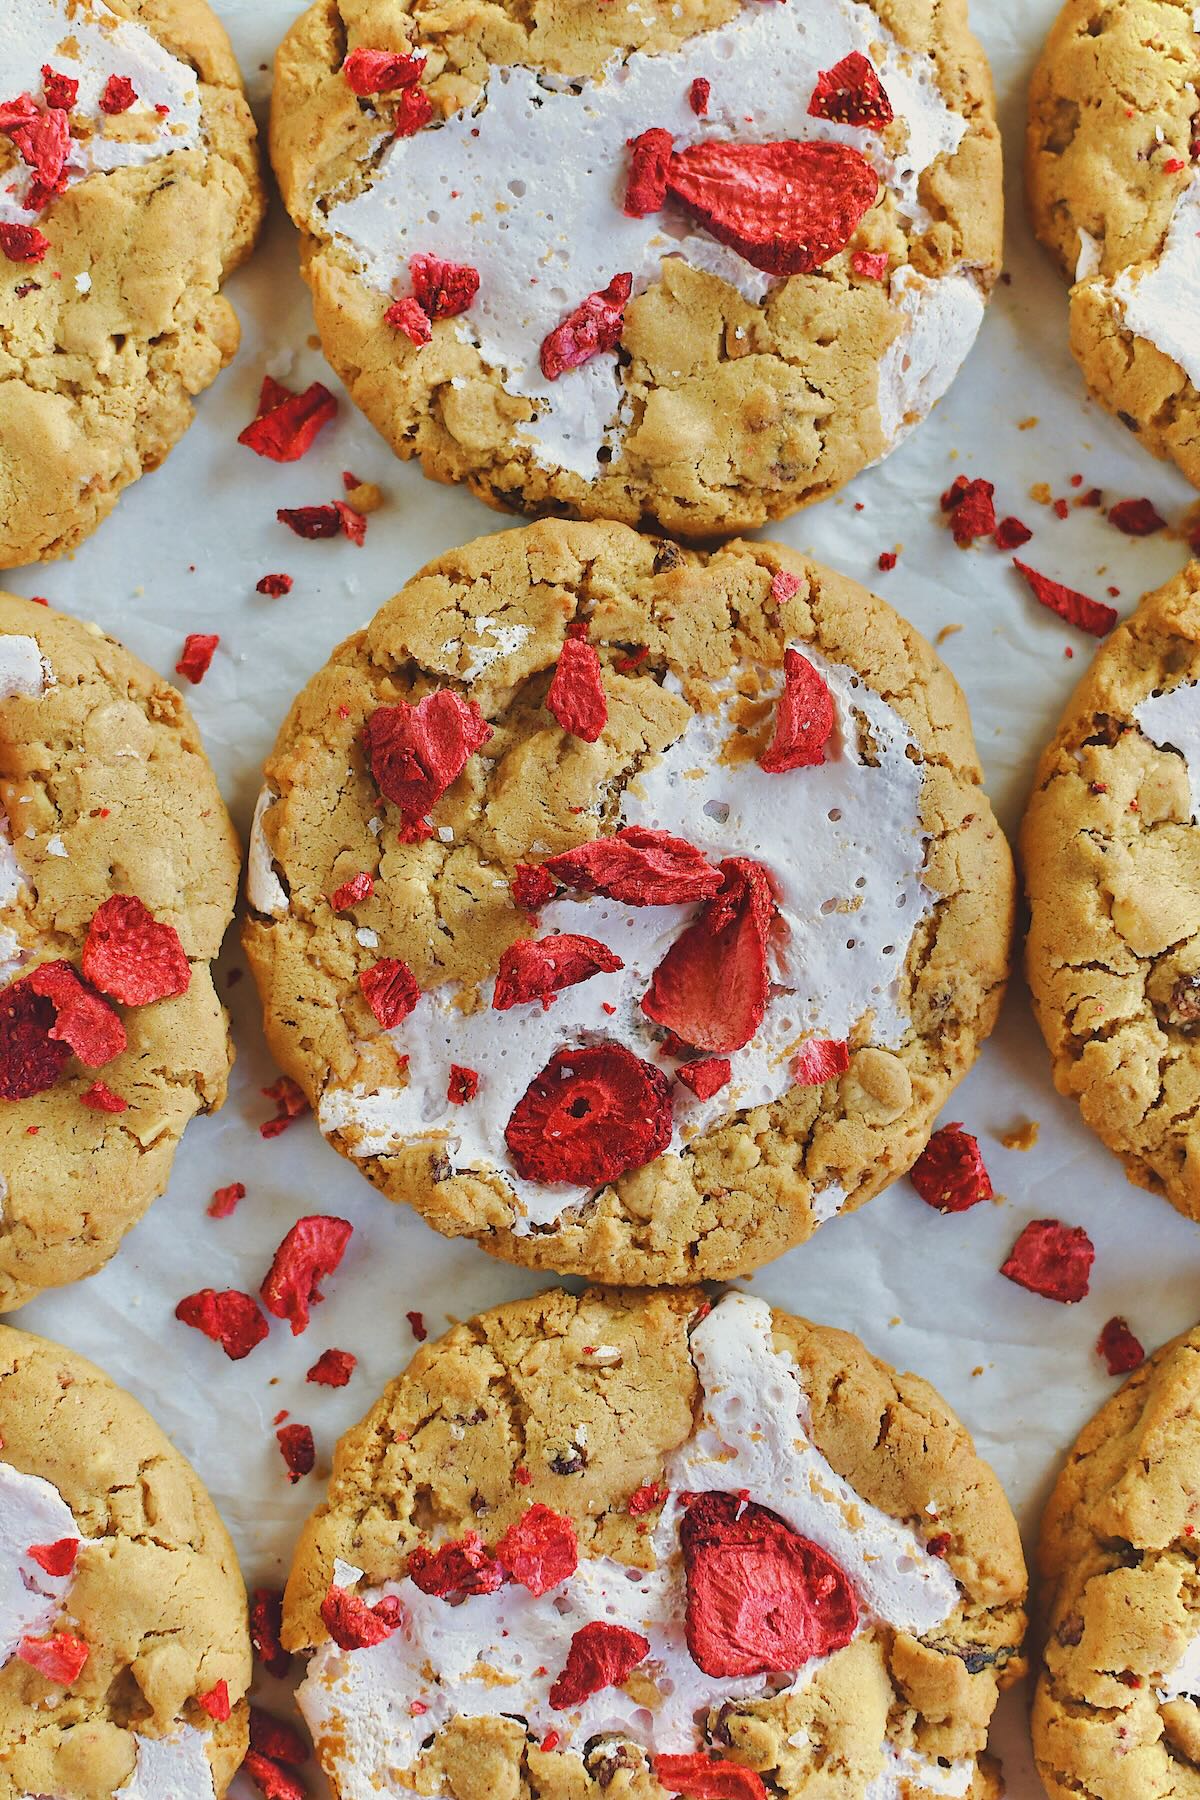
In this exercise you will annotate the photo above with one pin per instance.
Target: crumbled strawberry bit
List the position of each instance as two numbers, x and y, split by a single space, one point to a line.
1093 497
1120 1349
266 1625
354 523
590 1116
59 90
698 97
417 752
887 560
639 866
416 1324
576 696
290 1104
277 1739
820 1060
594 327
522 1476
58 1558
786 207
536 969
297 1449
216 1702
804 718
648 163
462 1566
646 1499
23 243
707 1077
711 987
971 509
60 1658
1010 533
532 888
851 93
1173 165
390 990
381 71
133 956
333 1368
409 316
462 1086
311 521
1068 603
413 112
625 665
1060 508
939 1544
118 96
231 1319
100 1098
274 586
285 426
550 1743
600 1656
44 142
1053 1260
443 289
272 1782
704 1778
353 892
225 1200
199 648
540 1551
84 1022
949 1173
1136 518
310 1251
872 265
783 586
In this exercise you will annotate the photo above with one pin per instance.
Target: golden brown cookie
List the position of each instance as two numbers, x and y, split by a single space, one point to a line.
574 323
129 189
681 1541
1117 1711
1114 191
1112 863
125 1656
721 812
118 874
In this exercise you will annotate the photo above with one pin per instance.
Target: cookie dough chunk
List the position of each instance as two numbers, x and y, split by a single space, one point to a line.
1111 848
683 1535
129 189
124 1652
706 328
118 874
628 909
1114 190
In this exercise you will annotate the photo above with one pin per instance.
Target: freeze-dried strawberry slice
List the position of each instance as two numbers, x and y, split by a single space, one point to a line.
600 1656
1052 1259
462 1086
1116 1344
277 1739
333 1368
59 1658
541 1550
539 968
100 1098
351 893
699 94
274 586
711 987
118 96
872 265
58 1558
443 289
272 1782
638 866
576 696
804 717
1068 603
83 1021
291 1106
532 888
705 1779
310 1251
131 955
216 1702
199 648
705 1078
820 1060
31 1061
409 316
417 752
381 71
594 326
646 1499
1010 533
231 1319
463 1566
266 1624
851 93
23 243
589 1116
786 207
1136 518
286 424
311 521
17 112
353 522
414 109
298 1450
353 1625
648 164
760 1598
60 90
971 508
390 989
949 1173
225 1200
44 141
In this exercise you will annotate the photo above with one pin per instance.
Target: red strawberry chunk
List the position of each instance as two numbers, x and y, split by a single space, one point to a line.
462 1566
311 521
443 289
1068 603
277 1739
286 424
100 1098
333 1368
417 752
463 1085
409 316
971 509
272 1782
310 1251
600 1656
539 968
851 93
1053 1260
83 1021
532 888
594 327
786 207
1117 1345
231 1319
58 1558
950 1173
381 71
648 165
118 96
133 956
638 866
31 1061
705 1078
390 989
216 1702
1136 518
60 1658
647 1499
590 1116
698 96
413 112
820 1060
298 1450
23 243
541 1550
351 893
44 141
353 1625
266 1624
199 648
711 988
59 90
705 1779
804 718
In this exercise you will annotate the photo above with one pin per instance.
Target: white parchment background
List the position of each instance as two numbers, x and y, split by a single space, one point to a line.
183 552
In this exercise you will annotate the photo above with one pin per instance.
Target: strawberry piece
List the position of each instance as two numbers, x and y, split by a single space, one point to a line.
820 1060
277 1739
231 1319
443 289
711 987
539 968
100 1098
310 1251
274 586
17 112
804 717
971 509
118 96
199 648
463 1566
359 888
949 1173
291 1104
409 316
333 1368
297 1449
59 1658
600 1656
413 112
760 1598
576 696
1010 533
705 1078
784 585
353 1625
390 989
353 522
786 207
1116 1344
59 90
646 1499
83 1021
417 752
532 888
594 326
23 243
638 866
589 1116
225 1200
851 93
1136 518
381 71
131 955
872 265
266 1624
286 424
1068 603
311 521
44 141
31 1061
272 1782
216 1702
648 166
416 1324
705 1779
699 94
58 1558
1052 1259
462 1086
541 1550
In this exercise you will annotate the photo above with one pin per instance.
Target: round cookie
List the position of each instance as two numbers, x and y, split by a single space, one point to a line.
1117 1709
1114 192
642 352
118 875
611 1479
129 189
1111 852
832 937
126 1656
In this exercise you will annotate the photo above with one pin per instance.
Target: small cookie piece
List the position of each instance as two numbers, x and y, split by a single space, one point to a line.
694 265
125 1653
683 1532
1117 1708
1114 192
129 189
118 875
1111 850
628 909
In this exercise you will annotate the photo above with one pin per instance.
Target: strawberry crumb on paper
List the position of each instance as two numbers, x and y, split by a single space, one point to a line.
225 1200
1120 1350
950 1173
199 648
290 1106
1052 1259
416 1322
298 1450
333 1368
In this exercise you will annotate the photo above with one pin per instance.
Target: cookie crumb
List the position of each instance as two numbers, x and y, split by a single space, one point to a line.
1021 1137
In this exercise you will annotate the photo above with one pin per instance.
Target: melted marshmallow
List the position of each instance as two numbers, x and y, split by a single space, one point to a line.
483 1657
170 1768
264 890
528 187
24 671
850 898
32 1511
940 321
1161 302
902 1767
1172 721
40 31
1183 1681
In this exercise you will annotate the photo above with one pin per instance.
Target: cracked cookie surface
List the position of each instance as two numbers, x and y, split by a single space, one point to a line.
1111 853
1114 193
104 789
734 396
106 339
887 948
604 1408
153 1591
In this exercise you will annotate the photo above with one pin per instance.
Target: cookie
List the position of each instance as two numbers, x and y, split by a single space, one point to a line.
629 909
1114 193
1112 863
683 1534
129 189
118 874
125 1657
696 265
1117 1709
